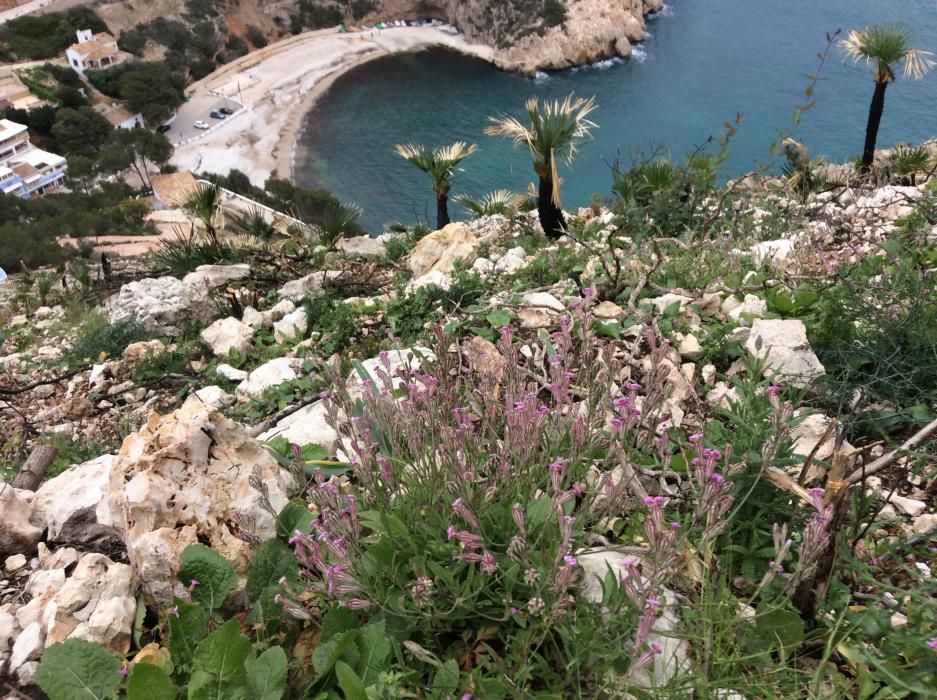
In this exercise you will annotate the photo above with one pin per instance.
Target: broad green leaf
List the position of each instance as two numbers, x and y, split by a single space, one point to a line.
446 681
295 517
374 647
186 630
78 670
271 561
336 621
266 674
138 618
781 627
214 574
498 319
348 681
219 664
324 658
149 682
538 511
609 329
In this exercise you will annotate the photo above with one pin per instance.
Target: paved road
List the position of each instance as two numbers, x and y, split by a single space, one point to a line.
37 7
197 109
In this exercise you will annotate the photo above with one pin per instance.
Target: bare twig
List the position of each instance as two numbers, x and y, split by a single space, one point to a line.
887 460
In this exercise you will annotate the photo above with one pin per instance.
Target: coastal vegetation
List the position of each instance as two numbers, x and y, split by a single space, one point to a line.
441 164
551 133
886 48
675 443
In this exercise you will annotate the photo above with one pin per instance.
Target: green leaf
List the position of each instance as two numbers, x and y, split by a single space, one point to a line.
783 627
374 647
538 511
214 574
271 561
138 619
349 682
336 621
446 681
266 674
149 682
499 319
219 664
324 658
609 329
78 670
186 630
295 517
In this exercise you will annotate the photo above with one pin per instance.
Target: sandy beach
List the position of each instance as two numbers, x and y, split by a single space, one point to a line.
279 84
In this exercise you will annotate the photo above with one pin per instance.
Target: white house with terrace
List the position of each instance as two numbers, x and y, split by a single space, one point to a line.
94 52
26 171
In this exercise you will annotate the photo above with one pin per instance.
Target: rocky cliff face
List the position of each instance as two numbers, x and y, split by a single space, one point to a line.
521 30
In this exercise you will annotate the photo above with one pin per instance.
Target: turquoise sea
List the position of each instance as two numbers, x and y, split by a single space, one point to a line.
703 62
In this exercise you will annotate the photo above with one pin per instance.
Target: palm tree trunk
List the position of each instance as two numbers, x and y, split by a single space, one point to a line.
551 216
871 129
442 211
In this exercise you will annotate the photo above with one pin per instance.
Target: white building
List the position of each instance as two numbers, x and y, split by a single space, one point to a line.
119 116
26 171
94 52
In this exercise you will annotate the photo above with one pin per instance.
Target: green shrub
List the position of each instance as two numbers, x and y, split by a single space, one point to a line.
36 37
99 339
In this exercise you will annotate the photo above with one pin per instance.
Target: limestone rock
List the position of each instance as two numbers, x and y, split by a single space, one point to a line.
311 286
485 358
215 397
924 523
291 325
784 346
484 266
231 373
15 562
438 278
184 478
773 252
264 319
28 645
808 435
608 311
269 375
392 363
752 305
135 352
543 300
9 631
689 348
441 249
212 276
228 334
17 534
909 506
662 303
161 305
512 261
76 506
305 427
363 246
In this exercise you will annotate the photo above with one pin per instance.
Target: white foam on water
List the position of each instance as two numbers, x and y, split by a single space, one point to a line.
541 77
665 11
638 53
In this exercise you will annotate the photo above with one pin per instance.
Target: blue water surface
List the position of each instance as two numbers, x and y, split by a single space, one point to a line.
703 62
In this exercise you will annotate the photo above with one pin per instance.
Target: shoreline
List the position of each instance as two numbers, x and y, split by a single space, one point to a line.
279 85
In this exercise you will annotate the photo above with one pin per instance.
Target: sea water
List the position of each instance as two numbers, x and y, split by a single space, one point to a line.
703 62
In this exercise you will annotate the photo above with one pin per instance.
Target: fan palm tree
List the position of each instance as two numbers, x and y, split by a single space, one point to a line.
203 204
552 133
884 47
440 164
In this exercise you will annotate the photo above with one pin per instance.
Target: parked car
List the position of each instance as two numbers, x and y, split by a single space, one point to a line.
163 128
201 125
226 110
215 114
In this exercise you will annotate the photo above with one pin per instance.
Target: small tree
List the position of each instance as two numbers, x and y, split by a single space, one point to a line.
555 132
884 47
203 204
440 165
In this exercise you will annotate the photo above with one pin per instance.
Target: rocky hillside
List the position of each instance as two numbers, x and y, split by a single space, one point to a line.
472 355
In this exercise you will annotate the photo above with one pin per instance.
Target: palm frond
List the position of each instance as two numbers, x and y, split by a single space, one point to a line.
440 164
883 46
503 202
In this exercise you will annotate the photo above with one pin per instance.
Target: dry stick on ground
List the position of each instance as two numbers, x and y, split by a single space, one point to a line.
887 460
54 380
35 467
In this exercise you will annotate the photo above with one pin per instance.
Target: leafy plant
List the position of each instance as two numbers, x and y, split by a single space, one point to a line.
78 670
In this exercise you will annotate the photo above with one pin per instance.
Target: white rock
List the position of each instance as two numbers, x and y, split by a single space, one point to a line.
397 360
305 427
17 533
228 334
808 434
161 305
437 278
264 319
291 326
363 246
512 261
784 346
774 252
309 287
909 506
231 373
707 374
608 310
542 300
690 348
924 523
212 276
26 674
28 646
752 305
898 620
96 376
483 266
15 562
215 396
45 580
269 375
441 249
9 630
662 303
75 506
135 352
